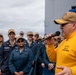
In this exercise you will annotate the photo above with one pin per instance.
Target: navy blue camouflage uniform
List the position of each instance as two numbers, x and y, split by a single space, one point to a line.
7 49
1 48
45 69
33 48
21 61
40 57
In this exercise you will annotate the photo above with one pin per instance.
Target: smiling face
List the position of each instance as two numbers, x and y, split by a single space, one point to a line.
20 42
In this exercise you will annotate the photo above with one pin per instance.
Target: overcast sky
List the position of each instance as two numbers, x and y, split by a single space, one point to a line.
22 15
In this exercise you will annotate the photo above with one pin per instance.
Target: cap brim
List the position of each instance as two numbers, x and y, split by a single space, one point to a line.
60 21
19 39
11 32
29 34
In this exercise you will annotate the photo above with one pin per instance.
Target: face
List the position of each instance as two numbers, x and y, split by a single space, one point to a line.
67 29
45 42
1 39
22 34
11 36
35 37
30 37
20 42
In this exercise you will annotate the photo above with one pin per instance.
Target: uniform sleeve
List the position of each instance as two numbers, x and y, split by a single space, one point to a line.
11 65
35 52
41 52
51 52
1 57
29 63
45 56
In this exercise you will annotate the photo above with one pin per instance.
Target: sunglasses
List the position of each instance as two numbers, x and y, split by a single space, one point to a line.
1 36
21 34
30 35
36 36
66 24
11 33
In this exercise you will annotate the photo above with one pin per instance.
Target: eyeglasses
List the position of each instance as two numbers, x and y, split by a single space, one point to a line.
20 41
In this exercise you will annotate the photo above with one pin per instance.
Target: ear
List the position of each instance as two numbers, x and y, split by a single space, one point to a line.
74 26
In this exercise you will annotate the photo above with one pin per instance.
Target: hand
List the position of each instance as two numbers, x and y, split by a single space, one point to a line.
0 72
49 41
50 66
21 73
43 65
16 73
65 71
32 62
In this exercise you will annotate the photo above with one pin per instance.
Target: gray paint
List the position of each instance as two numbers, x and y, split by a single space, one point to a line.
55 9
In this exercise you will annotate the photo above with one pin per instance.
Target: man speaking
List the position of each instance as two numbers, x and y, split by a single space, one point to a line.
65 54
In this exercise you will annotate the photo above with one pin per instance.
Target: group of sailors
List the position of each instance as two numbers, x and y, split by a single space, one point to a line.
19 56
